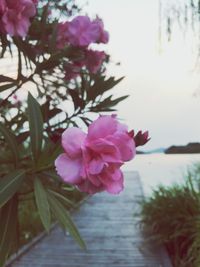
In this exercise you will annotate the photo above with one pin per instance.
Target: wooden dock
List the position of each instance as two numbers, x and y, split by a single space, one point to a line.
109 225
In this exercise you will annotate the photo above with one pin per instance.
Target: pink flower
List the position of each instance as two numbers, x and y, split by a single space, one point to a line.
2 10
72 70
82 32
141 138
94 60
15 18
2 7
62 35
103 36
92 161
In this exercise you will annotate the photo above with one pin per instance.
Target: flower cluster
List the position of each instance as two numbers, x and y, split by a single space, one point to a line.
81 32
92 61
92 161
15 16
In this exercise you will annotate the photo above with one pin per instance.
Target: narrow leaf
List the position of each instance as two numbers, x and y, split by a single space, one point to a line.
9 185
36 126
6 86
64 219
11 140
78 102
63 199
42 203
8 224
6 79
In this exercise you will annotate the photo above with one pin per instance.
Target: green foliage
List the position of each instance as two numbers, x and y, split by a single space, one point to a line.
30 223
8 229
32 195
60 212
172 217
9 185
42 203
11 140
36 126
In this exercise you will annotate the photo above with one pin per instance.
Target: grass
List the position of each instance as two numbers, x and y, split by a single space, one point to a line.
172 217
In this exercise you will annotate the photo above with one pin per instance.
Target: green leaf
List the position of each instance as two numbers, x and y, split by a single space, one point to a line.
63 199
118 100
101 85
78 102
64 219
36 126
48 64
42 203
47 114
4 44
9 185
8 226
26 48
53 39
22 137
107 104
4 79
6 86
11 140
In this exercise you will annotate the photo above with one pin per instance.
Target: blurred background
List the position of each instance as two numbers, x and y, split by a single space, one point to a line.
161 75
156 45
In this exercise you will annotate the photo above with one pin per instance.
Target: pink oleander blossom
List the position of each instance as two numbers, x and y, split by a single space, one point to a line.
94 60
2 7
15 16
81 32
92 161
62 35
103 36
72 70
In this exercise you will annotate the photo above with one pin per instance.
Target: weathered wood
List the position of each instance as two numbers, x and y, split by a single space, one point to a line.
109 225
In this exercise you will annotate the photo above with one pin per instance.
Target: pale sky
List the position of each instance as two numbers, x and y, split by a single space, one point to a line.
161 80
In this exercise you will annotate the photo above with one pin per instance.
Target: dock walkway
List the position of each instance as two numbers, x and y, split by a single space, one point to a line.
109 225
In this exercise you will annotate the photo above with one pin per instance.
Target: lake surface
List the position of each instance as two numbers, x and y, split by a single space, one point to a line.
155 169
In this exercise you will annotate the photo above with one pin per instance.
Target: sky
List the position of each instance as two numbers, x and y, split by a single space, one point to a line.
161 77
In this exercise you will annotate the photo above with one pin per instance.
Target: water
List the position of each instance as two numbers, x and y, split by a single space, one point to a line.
155 169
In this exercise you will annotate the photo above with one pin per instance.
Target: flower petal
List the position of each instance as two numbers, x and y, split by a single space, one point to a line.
125 145
94 180
115 187
69 169
72 140
106 149
95 166
102 127
87 187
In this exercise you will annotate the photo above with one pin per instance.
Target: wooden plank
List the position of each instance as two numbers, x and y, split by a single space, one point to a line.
109 225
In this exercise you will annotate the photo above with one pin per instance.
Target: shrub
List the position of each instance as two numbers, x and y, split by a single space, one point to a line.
64 83
172 217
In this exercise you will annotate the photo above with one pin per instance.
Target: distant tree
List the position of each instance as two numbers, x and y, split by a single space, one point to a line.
185 13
